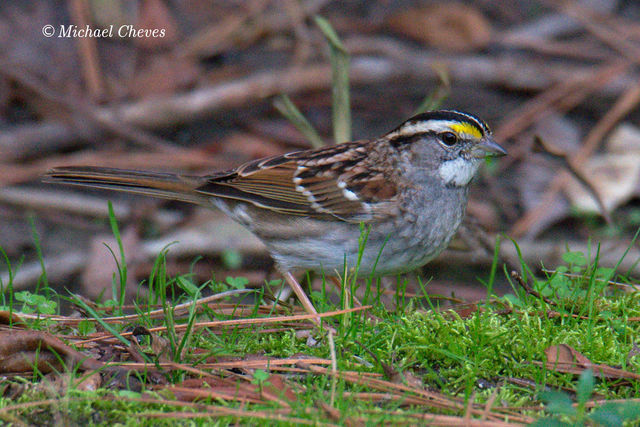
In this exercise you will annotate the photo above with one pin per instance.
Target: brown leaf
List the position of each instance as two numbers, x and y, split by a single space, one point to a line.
406 377
257 361
91 381
447 26
56 384
333 413
275 389
11 319
21 351
157 345
564 358
536 174
465 311
123 380
564 355
96 277
215 388
614 174
635 351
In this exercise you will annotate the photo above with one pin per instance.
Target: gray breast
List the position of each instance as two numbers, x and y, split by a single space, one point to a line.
420 231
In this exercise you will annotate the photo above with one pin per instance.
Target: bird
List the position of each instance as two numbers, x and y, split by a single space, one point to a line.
406 191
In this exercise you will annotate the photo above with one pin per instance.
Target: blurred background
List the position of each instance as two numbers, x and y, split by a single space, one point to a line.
558 82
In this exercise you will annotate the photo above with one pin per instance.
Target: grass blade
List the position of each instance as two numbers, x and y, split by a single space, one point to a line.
89 310
340 63
434 100
122 265
289 110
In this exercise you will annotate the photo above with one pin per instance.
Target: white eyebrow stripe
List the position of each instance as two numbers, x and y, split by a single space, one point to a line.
409 129
436 126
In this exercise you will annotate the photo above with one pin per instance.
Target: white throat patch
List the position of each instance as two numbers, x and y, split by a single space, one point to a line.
459 172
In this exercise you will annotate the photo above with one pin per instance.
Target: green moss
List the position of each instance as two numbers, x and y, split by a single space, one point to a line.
493 353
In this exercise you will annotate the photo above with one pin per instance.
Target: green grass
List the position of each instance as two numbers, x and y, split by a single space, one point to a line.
487 354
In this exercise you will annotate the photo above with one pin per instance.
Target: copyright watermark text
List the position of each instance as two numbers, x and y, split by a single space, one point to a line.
123 31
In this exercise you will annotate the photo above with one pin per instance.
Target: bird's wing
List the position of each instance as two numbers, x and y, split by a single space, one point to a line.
335 181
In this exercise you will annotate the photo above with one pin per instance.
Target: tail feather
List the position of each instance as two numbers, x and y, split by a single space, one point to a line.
162 185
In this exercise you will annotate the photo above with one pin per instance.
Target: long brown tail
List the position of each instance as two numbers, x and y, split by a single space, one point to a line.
163 185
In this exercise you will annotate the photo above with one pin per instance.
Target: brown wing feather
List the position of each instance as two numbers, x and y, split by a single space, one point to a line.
269 187
313 183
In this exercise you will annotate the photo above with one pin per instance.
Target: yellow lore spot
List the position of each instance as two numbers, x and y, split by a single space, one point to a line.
466 128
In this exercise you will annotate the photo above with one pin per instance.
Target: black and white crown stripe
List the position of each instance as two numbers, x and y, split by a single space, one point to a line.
437 121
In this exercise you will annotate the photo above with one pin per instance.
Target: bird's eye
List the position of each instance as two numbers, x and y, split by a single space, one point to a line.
448 138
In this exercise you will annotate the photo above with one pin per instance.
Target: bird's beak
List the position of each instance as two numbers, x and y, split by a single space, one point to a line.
487 147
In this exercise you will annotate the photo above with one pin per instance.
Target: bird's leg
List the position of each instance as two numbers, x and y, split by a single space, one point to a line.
304 299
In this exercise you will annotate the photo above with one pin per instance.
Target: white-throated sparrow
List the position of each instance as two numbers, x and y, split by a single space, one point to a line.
410 186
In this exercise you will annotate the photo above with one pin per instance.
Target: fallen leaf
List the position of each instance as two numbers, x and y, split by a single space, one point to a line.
275 389
564 358
215 388
536 174
21 351
91 381
614 174
465 311
98 272
57 384
448 26
11 319
150 344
